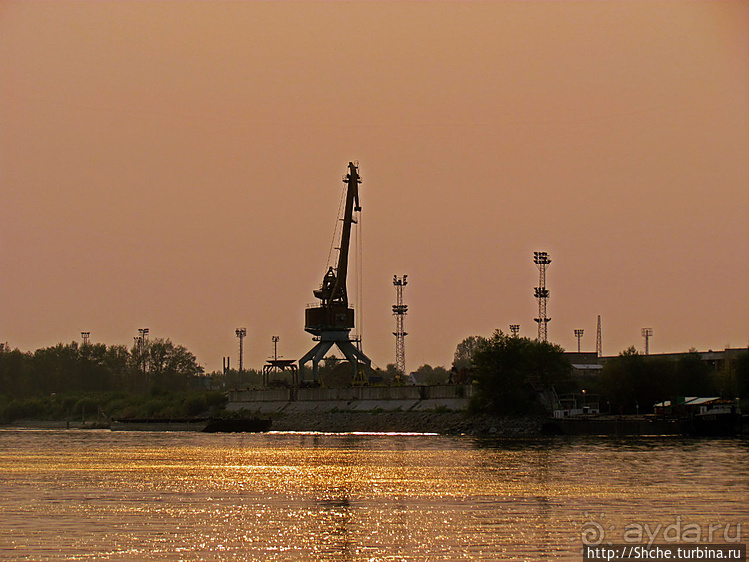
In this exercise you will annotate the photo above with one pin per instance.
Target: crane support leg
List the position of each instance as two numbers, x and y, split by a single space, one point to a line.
355 357
315 355
349 350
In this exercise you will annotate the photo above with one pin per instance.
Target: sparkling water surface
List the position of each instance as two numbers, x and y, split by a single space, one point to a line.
101 495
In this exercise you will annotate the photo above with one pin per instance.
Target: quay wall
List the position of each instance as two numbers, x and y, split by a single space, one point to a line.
353 399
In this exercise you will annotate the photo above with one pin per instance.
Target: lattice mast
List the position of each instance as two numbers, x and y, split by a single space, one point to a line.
542 260
241 333
399 311
599 343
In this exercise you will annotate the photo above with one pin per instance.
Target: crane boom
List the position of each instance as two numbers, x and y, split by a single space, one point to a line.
333 312
352 204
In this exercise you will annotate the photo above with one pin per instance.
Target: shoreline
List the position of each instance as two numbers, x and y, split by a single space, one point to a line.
442 423
430 422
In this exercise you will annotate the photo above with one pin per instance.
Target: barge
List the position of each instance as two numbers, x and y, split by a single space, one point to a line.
202 425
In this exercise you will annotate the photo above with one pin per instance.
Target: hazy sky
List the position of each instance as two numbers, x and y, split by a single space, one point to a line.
177 166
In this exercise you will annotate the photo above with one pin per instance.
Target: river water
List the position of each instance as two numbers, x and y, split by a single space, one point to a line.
100 495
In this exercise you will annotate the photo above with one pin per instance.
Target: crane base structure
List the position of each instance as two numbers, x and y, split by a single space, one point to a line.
340 338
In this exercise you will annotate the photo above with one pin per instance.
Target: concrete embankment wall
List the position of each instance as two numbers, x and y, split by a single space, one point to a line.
352 399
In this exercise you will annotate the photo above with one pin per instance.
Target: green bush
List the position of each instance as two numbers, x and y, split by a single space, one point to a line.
31 408
194 405
215 399
153 408
11 412
85 406
114 405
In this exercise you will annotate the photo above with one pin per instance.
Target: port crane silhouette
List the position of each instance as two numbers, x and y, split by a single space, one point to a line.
331 321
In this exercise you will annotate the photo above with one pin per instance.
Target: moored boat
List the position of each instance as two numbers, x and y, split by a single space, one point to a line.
205 425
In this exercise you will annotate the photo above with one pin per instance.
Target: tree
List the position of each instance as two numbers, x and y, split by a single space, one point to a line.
463 358
694 377
232 379
15 373
633 383
742 374
115 361
391 373
426 374
509 370
172 367
63 368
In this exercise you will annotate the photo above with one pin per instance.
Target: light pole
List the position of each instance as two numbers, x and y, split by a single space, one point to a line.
579 336
515 329
85 336
275 347
143 335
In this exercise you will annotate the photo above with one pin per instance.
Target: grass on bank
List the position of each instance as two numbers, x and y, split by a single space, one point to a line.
98 406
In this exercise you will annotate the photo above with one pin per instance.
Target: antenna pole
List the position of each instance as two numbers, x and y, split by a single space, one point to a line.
647 333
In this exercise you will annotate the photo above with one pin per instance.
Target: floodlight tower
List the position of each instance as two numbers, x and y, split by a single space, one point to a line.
142 335
399 311
579 336
241 333
515 329
85 336
647 333
542 260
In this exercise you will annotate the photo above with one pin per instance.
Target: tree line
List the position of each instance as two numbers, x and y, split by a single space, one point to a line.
148 367
93 382
508 372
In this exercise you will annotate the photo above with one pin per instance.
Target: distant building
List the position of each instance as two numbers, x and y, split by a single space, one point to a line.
588 364
576 404
585 365
690 406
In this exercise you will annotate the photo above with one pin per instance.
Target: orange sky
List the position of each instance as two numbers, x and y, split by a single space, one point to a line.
177 166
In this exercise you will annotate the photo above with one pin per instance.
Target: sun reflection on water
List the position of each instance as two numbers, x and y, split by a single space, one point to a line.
305 496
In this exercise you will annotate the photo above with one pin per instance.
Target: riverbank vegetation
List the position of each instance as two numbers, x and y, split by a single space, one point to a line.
155 378
515 375
632 383
512 376
511 372
150 366
100 407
